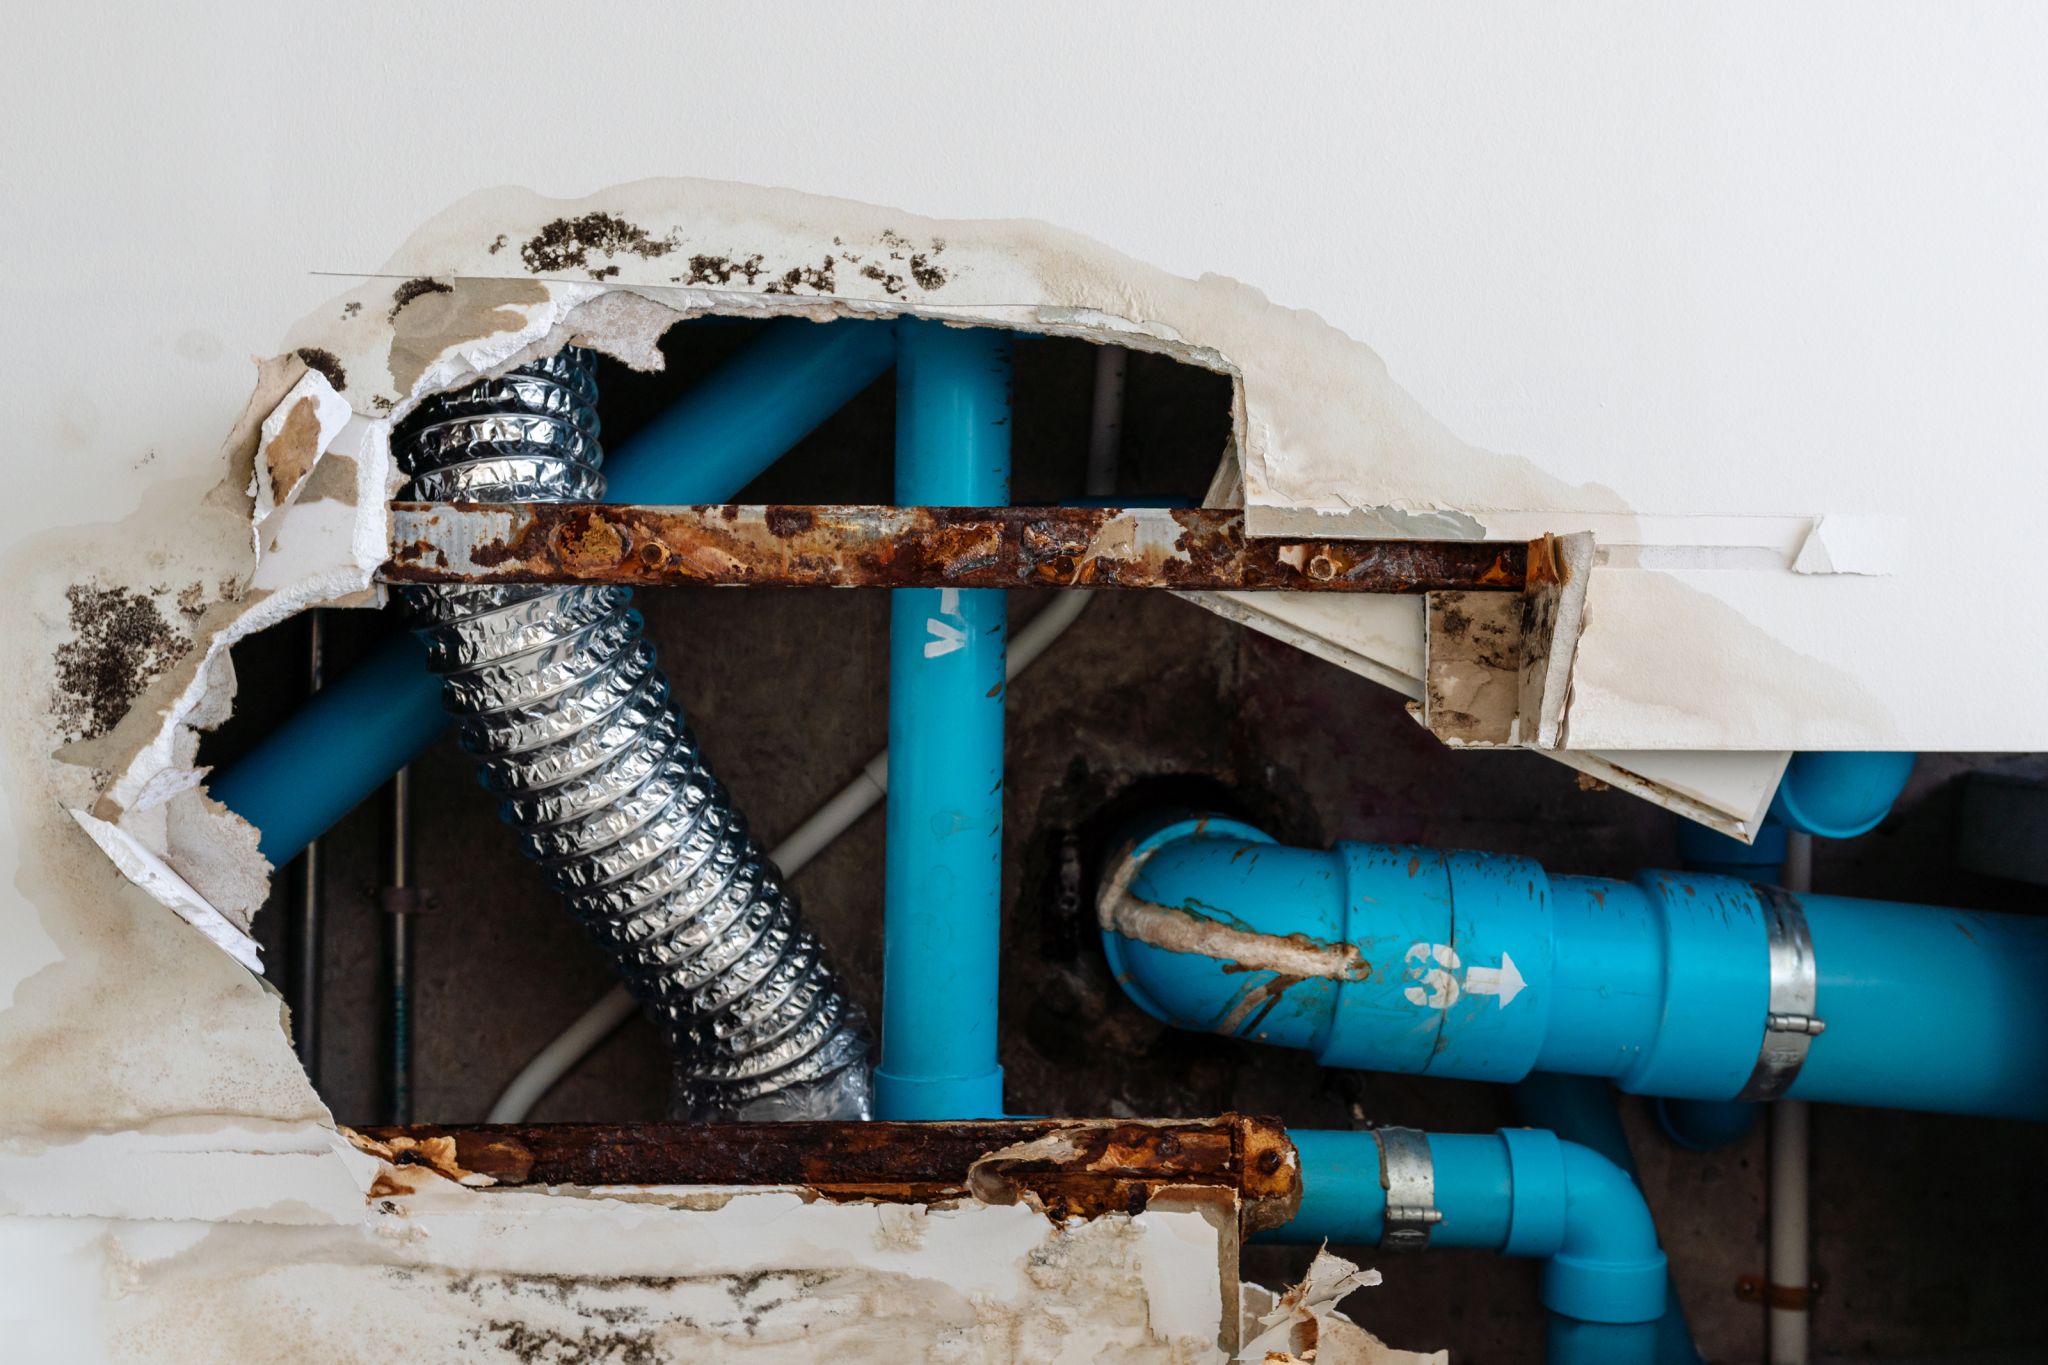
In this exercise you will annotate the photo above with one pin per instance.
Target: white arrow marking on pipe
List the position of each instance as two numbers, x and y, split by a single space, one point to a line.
946 637
1432 964
1504 981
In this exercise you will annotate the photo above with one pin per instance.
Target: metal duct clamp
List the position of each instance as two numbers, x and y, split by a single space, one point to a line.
1790 1023
1408 1175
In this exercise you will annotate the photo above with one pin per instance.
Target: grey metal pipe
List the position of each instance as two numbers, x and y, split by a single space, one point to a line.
400 900
561 700
308 901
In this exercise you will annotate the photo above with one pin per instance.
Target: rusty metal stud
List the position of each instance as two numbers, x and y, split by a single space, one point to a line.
1189 549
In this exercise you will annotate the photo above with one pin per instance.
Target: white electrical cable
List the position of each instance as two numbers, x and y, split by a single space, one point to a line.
857 797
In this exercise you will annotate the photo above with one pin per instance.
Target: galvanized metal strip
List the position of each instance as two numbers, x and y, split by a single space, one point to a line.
1190 549
1790 1022
1408 1175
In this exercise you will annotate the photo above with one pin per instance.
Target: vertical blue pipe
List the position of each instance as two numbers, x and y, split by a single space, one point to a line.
943 879
371 721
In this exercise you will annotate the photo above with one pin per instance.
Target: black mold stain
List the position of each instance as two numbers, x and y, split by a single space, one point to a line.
499 243
543 1346
122 641
566 243
927 275
722 269
891 282
327 363
351 308
818 279
412 289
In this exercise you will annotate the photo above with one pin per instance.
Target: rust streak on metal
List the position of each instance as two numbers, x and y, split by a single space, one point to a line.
1195 549
1069 1167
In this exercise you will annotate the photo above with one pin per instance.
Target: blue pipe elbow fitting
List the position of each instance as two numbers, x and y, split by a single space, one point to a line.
1839 795
1521 1192
1482 967
348 739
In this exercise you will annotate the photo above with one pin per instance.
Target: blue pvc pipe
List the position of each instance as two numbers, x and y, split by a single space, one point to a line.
1484 967
1582 1109
348 740
1705 1125
1839 795
942 928
1521 1192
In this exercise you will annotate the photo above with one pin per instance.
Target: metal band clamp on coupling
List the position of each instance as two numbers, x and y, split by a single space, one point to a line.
1408 1175
1791 1023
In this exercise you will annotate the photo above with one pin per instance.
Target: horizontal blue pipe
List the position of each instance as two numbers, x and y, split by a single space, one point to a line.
943 878
369 722
1521 1192
1485 967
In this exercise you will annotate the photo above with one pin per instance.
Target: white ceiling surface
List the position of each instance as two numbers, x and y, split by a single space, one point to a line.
1724 269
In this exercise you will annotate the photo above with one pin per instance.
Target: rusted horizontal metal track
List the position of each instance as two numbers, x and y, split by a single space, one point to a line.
1073 1167
918 547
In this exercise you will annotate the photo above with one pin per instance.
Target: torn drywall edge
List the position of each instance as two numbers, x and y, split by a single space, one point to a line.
1726 790
767 1275
205 1168
153 875
291 441
1295 1320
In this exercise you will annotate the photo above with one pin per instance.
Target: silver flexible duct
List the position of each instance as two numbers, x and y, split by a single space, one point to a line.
561 702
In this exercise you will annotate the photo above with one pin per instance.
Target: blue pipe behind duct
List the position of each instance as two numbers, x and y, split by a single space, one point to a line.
1484 967
1522 1192
366 724
942 887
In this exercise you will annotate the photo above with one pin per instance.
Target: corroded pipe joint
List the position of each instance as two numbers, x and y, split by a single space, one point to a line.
570 719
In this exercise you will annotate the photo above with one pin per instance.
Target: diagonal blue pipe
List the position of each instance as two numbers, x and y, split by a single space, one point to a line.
942 886
348 740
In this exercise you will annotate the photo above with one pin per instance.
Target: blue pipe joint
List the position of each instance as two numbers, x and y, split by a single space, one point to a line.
1839 795
1605 1265
1521 1192
1364 955
1473 966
